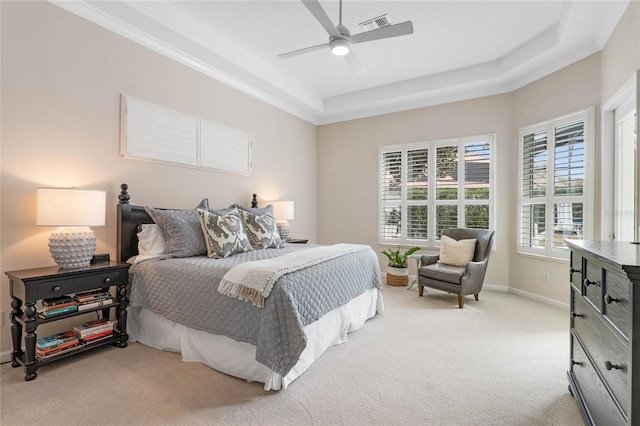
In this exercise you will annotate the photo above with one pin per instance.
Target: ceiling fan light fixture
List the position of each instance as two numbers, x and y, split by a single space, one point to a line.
340 47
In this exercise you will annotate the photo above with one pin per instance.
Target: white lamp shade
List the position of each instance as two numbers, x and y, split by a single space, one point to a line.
70 207
282 210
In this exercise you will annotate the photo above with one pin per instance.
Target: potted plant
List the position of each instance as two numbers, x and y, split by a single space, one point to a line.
398 270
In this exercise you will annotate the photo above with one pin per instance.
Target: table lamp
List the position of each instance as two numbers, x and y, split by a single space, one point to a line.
282 213
73 211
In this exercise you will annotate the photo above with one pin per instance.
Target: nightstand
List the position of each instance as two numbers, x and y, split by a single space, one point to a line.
297 241
29 286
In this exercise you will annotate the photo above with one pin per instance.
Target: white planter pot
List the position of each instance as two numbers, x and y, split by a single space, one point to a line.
400 272
397 276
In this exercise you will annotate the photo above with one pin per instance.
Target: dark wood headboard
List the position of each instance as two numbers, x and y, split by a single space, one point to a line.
129 218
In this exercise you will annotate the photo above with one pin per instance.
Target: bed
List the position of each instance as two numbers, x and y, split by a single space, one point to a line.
183 303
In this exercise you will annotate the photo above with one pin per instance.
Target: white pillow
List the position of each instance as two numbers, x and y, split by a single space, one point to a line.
456 253
151 242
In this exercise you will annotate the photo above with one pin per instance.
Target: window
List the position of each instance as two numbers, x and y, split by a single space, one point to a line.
555 195
427 187
153 133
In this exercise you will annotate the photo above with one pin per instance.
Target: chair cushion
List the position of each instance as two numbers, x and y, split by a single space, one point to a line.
443 272
456 252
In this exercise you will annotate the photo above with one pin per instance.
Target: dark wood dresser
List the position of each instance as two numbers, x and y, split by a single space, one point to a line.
605 310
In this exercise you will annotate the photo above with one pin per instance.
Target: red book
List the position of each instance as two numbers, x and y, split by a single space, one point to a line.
97 336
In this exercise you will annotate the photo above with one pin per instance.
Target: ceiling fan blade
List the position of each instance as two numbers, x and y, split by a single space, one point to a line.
403 28
301 51
321 16
354 63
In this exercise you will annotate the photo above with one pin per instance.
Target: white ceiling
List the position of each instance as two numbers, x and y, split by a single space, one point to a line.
459 49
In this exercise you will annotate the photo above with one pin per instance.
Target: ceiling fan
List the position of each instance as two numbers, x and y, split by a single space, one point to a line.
340 38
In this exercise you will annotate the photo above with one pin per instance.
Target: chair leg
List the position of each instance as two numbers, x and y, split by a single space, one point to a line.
460 301
420 289
476 296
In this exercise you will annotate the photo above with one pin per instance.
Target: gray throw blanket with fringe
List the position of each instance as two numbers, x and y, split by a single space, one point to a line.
185 290
253 281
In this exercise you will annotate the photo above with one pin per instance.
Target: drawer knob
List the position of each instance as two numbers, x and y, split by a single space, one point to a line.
609 300
107 280
574 315
587 283
573 271
575 362
610 366
56 288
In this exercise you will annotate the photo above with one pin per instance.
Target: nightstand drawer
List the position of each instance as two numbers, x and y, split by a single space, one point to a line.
60 287
616 301
607 350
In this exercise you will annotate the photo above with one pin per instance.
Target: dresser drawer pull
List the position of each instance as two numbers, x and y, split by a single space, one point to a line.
609 300
587 283
573 271
56 288
107 280
610 366
574 315
576 363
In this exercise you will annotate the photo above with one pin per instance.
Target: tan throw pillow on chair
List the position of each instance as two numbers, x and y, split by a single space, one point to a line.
456 253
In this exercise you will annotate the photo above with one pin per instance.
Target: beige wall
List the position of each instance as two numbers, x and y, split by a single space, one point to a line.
62 77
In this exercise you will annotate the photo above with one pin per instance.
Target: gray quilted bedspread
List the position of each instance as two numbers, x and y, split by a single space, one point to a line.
186 291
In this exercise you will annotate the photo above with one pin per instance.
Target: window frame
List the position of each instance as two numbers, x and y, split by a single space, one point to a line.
550 199
432 203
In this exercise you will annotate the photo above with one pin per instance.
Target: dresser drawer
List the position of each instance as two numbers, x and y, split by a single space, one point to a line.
60 287
607 350
592 283
576 271
601 406
616 301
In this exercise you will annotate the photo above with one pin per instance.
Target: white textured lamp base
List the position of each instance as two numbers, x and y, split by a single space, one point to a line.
283 229
72 247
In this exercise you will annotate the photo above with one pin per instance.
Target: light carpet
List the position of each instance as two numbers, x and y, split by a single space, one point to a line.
499 361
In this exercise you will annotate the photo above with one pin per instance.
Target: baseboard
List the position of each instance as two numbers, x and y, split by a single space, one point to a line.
522 293
5 357
540 299
494 287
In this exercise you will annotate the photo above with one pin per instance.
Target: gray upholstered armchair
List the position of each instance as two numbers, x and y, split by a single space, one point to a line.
460 280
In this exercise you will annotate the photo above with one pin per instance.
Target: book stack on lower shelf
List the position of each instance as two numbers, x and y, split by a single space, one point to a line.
92 299
93 331
56 344
57 306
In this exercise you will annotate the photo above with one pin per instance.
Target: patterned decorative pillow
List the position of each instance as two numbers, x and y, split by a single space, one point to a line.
182 230
223 233
261 228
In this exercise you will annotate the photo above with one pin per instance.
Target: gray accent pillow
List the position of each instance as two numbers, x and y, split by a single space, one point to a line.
261 228
223 233
182 230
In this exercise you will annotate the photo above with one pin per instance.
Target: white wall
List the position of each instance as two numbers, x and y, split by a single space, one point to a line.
62 77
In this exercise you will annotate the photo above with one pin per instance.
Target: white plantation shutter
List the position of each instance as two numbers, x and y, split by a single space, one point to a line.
477 183
153 133
421 192
391 195
552 187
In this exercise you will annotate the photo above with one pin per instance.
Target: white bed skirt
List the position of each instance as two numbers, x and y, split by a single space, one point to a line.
237 358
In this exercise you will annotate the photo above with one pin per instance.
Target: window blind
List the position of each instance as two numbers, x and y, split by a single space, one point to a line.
552 185
153 133
421 187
